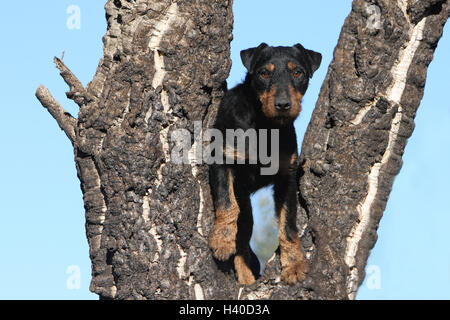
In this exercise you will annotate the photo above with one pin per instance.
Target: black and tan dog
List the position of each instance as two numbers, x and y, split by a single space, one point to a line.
269 98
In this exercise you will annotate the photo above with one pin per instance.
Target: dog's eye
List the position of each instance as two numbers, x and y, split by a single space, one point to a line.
265 74
297 74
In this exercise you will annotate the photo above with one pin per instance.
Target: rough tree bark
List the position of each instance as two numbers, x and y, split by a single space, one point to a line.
164 67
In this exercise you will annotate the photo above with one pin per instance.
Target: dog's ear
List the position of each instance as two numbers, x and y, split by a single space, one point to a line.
247 56
313 58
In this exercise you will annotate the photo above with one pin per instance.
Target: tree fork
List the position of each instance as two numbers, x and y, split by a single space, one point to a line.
164 67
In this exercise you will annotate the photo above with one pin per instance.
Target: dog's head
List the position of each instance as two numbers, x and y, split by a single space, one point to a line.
280 77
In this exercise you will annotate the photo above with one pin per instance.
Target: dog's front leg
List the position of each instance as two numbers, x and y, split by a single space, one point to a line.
294 265
223 237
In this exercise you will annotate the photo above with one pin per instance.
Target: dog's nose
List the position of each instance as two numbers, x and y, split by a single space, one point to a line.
283 106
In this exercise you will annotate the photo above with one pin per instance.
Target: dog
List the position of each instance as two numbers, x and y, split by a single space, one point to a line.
269 99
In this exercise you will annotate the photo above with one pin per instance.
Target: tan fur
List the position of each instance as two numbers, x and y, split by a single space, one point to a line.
287 163
291 65
233 153
270 67
243 272
294 266
296 102
268 102
223 236
293 159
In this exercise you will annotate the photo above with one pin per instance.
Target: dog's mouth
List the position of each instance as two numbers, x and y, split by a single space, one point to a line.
283 119
276 117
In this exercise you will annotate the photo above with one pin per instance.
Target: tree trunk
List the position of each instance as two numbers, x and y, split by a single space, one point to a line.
164 68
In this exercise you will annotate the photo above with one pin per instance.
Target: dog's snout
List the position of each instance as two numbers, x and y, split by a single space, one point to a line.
282 100
283 106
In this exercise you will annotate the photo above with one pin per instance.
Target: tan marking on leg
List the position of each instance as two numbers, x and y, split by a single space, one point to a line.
296 102
293 159
243 272
223 236
268 102
294 266
287 163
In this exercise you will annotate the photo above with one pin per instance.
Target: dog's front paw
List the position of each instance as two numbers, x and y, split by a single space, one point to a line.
294 272
243 272
223 241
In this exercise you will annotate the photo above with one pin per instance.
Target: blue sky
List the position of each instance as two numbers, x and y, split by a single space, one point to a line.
42 235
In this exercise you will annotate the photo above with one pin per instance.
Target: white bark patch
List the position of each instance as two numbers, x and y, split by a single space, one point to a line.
165 143
113 291
165 146
181 263
271 258
198 292
193 160
95 242
146 208
240 293
158 241
395 94
152 231
148 114
401 69
200 211
403 4
362 113
98 186
159 30
158 77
